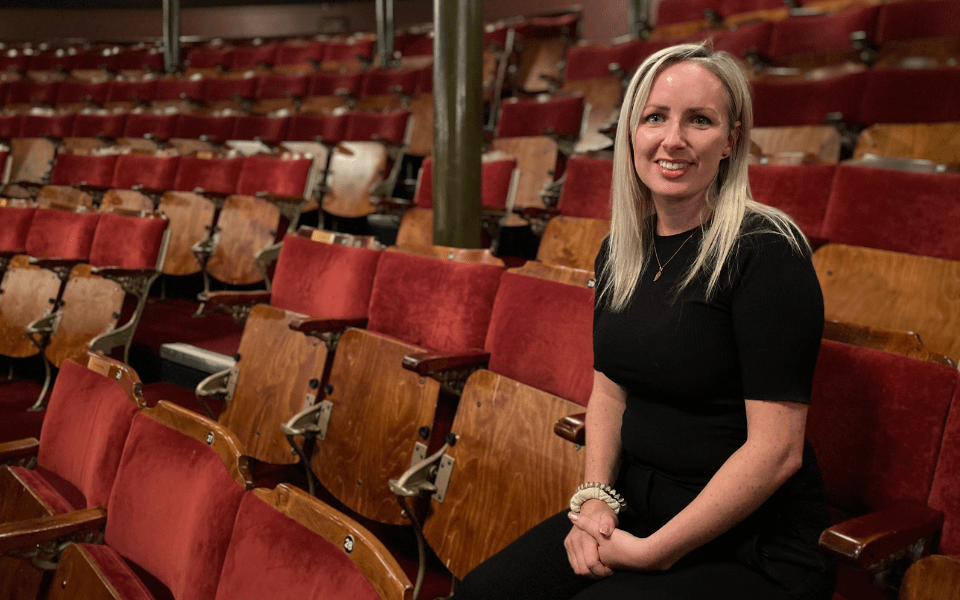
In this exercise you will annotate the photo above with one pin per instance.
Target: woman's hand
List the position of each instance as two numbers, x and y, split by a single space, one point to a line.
595 523
616 549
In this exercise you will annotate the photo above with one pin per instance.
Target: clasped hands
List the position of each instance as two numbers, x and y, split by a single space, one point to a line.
596 548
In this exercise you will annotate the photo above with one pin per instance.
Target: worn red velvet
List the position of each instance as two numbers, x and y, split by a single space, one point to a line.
945 495
382 82
153 172
57 126
213 174
160 126
39 484
800 191
308 127
327 83
251 56
591 61
561 115
936 18
423 196
172 321
128 242
271 85
433 303
14 226
549 26
61 234
875 421
191 126
228 88
780 103
282 176
10 125
495 178
885 100
108 125
679 11
175 89
77 168
273 556
895 210
300 54
586 188
367 126
739 41
541 334
824 33
150 59
125 90
117 572
80 91
269 129
87 421
25 91
172 509
323 280
349 50
207 55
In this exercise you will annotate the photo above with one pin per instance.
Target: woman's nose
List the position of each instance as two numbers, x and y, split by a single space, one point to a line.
673 136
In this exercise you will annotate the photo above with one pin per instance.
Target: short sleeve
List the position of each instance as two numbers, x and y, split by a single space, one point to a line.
777 313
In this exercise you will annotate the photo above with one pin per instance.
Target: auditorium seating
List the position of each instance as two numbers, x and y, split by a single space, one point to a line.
803 192
935 142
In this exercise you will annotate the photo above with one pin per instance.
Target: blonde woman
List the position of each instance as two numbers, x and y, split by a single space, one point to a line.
706 332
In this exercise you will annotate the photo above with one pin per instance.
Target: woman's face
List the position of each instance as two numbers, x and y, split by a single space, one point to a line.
683 134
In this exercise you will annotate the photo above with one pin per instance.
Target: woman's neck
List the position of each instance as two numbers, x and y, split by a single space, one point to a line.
674 218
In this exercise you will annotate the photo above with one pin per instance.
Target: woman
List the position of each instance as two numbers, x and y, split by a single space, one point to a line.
706 331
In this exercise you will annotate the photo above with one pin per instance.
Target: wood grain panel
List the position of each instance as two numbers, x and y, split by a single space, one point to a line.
31 159
895 291
603 95
416 228
421 135
79 577
378 408
51 196
939 142
935 577
539 58
822 141
19 580
27 293
471 255
246 225
572 241
578 277
90 307
536 161
368 553
506 455
906 343
191 217
126 199
351 178
276 366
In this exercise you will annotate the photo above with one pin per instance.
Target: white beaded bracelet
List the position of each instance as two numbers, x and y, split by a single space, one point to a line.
597 491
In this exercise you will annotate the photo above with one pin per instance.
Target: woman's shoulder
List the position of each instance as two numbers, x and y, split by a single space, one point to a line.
762 233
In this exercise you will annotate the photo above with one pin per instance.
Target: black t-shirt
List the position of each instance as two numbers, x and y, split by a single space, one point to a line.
688 363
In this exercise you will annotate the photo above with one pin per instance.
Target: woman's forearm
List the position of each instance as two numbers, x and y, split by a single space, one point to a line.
604 417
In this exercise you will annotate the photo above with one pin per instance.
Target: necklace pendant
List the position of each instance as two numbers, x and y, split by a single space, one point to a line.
657 276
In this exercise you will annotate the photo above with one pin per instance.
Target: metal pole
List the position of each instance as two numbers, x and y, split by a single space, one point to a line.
639 11
385 32
171 35
458 113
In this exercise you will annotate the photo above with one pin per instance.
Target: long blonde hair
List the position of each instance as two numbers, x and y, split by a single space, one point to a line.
729 197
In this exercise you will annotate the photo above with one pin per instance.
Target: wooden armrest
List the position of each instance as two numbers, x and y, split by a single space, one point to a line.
30 532
426 363
17 449
281 198
211 194
122 272
868 540
54 263
572 428
225 298
316 327
89 187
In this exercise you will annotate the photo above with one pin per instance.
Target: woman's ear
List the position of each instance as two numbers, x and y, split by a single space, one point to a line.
732 139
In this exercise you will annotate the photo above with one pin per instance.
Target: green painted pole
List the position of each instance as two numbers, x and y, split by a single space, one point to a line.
639 11
385 32
171 35
458 113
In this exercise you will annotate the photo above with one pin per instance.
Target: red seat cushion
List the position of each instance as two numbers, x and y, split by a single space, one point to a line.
800 191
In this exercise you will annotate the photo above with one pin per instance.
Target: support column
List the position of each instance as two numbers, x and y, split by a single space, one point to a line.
639 12
171 35
386 32
458 112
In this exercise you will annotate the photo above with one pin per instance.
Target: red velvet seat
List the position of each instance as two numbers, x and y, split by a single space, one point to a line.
81 93
894 210
796 102
331 83
26 93
15 224
131 91
174 89
207 55
57 125
159 126
884 102
300 52
249 56
229 92
61 234
276 86
561 116
800 191
825 35
330 129
217 129
98 124
350 51
272 130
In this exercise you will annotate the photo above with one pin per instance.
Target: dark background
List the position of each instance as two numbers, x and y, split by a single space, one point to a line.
153 3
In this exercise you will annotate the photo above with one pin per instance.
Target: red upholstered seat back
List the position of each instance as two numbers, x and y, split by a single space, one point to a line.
349 50
875 422
26 91
108 125
79 91
906 212
61 234
495 179
800 191
679 11
224 88
945 495
378 82
218 128
586 189
75 168
127 241
821 33
84 430
755 36
541 334
561 115
271 555
120 90
282 86
282 176
213 174
328 83
307 127
152 172
433 303
932 19
14 226
884 99
251 56
175 89
323 280
57 125
592 61
778 103
172 509
368 126
160 126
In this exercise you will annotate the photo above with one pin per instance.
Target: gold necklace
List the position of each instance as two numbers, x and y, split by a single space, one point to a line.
660 271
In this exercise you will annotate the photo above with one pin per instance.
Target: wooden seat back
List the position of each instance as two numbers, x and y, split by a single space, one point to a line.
572 241
28 293
938 142
889 290
602 97
930 578
504 432
191 218
819 141
352 176
449 253
536 162
278 376
906 343
246 225
31 159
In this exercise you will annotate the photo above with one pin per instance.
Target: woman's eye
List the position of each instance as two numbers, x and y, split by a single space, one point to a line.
701 120
654 118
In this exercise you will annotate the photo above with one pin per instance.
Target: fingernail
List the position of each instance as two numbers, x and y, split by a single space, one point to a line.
573 516
605 530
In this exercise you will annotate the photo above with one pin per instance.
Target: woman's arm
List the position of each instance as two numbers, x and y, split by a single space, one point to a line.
772 453
604 448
